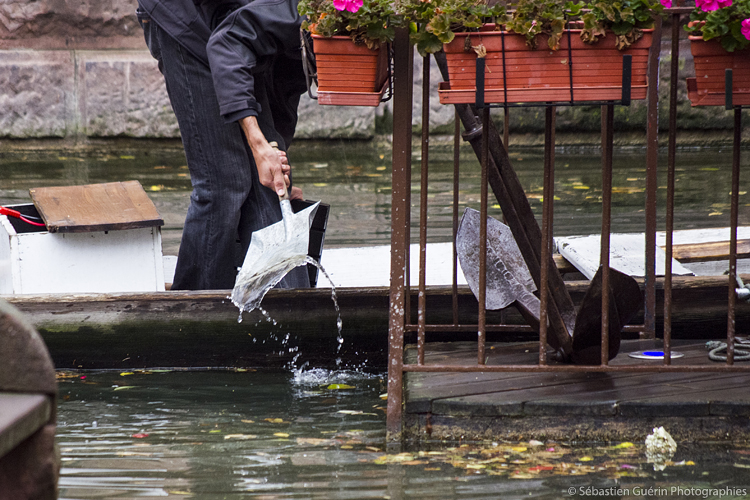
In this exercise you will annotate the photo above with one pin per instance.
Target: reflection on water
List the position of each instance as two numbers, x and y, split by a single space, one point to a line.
354 178
320 435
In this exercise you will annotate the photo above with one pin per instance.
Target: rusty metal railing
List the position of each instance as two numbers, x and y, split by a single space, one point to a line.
481 133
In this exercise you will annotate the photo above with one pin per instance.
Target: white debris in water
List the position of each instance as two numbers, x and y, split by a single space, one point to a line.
660 448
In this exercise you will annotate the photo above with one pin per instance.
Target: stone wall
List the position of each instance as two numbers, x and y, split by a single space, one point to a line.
78 71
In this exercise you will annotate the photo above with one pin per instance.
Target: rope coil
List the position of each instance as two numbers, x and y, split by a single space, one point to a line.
715 347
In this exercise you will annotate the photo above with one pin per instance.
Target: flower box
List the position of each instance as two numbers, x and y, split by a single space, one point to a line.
543 75
711 62
349 74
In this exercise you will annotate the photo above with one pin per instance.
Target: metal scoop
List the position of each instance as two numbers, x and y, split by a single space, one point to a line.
508 279
273 252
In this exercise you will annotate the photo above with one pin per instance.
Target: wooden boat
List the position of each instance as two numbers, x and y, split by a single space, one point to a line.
201 328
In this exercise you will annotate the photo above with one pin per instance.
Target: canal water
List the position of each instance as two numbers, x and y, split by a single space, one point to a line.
354 179
321 435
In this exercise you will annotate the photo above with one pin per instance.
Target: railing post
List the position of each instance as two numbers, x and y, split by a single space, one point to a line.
400 213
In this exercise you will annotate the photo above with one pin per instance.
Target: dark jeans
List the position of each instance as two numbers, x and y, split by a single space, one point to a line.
228 202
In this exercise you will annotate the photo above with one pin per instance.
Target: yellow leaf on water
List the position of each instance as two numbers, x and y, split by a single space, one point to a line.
624 445
155 188
714 213
381 168
313 441
123 387
275 420
127 157
240 436
340 386
178 492
126 373
585 459
215 431
281 434
320 184
581 187
519 449
245 421
346 447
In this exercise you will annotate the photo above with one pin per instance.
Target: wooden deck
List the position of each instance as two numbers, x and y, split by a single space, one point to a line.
573 406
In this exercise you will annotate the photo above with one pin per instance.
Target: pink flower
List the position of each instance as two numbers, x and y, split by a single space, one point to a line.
710 5
349 5
667 4
745 29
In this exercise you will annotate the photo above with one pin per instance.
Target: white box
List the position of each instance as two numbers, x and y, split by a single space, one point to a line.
37 262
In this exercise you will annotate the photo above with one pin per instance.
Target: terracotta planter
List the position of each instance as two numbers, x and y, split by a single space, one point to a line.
711 61
349 74
543 75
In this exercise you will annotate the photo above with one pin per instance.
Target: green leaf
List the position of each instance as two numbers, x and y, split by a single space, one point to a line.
340 386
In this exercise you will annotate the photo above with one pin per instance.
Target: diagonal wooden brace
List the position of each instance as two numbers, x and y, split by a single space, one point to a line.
520 218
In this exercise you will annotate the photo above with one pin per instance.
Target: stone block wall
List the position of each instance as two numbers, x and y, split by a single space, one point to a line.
80 69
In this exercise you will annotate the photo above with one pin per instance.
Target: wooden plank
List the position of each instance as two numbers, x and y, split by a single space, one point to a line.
704 252
95 207
21 415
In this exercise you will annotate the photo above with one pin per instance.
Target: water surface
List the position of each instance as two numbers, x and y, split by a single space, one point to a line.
321 435
355 180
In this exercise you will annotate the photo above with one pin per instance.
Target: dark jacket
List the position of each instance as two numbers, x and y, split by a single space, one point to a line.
252 47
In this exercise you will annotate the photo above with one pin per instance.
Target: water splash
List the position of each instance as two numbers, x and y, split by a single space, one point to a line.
303 376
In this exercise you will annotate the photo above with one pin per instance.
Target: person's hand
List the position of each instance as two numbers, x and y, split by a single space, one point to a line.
267 160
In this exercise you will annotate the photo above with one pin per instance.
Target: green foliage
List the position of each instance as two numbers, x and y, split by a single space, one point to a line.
549 17
436 22
625 18
723 24
372 24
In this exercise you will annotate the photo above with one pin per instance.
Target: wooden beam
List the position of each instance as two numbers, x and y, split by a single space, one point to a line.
21 415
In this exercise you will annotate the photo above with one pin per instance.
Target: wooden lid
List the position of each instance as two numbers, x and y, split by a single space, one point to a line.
95 207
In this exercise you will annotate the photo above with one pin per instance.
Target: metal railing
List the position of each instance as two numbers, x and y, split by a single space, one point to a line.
497 172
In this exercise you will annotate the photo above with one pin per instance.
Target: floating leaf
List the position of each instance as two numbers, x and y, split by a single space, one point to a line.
313 441
585 459
519 449
123 387
245 421
581 187
178 492
123 374
281 434
127 157
340 386
623 445
275 420
240 436
215 431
